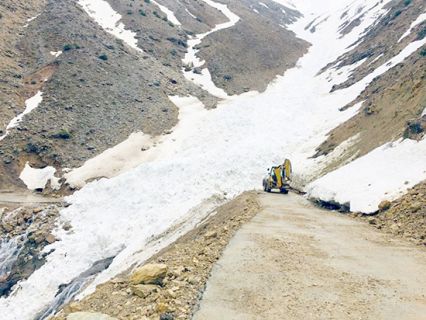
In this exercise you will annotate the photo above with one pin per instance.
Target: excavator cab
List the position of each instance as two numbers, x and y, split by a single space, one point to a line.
278 177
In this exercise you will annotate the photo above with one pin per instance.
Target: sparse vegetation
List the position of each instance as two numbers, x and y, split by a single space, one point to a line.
422 33
62 134
407 2
67 47
423 52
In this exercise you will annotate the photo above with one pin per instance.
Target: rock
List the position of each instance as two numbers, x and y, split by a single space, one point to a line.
143 290
372 220
50 238
37 210
210 235
384 205
89 316
67 226
162 307
166 316
149 274
416 206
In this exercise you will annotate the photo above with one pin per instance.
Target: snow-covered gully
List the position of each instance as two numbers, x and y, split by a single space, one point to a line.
191 60
118 217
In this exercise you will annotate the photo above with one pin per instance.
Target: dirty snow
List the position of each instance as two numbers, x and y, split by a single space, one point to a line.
38 178
30 105
383 174
170 15
416 22
119 216
109 20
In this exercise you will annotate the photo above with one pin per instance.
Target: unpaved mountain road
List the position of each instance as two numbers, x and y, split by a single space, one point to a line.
296 261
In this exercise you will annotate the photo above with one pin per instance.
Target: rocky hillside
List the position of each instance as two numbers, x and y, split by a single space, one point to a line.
96 90
393 103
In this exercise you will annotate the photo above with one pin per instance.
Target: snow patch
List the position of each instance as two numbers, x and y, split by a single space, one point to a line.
38 178
189 12
383 174
109 20
30 105
56 53
263 5
419 20
169 13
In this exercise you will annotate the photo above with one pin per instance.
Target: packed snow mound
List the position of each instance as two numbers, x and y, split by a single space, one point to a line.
383 174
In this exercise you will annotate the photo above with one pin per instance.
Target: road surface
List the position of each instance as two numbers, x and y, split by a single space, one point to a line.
296 261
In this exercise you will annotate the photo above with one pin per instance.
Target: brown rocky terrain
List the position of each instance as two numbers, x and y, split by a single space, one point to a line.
394 101
404 217
86 107
257 49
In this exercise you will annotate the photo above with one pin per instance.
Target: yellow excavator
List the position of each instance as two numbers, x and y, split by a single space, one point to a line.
278 177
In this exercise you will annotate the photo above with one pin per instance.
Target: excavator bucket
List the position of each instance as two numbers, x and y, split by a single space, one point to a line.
287 169
277 172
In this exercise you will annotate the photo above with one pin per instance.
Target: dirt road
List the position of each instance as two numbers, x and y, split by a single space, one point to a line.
14 198
295 261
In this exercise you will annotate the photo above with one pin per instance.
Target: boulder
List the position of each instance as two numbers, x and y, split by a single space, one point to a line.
149 274
143 290
89 316
416 206
384 205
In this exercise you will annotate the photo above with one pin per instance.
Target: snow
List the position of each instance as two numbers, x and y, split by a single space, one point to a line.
109 20
38 178
263 5
383 174
56 53
423 113
415 23
222 151
204 79
170 15
30 105
189 12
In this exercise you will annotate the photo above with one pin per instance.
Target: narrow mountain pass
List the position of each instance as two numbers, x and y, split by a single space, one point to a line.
296 261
